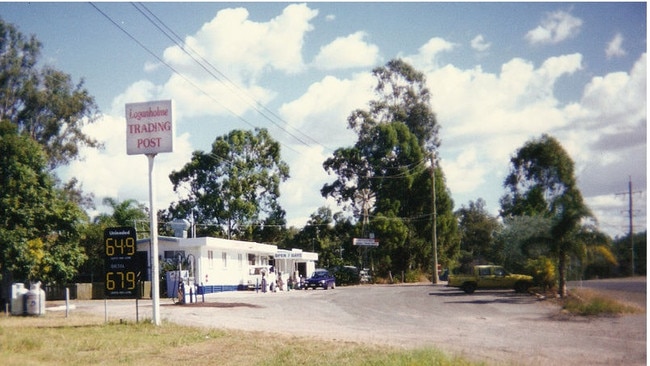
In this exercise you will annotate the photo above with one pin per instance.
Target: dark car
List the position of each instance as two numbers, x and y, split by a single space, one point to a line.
321 278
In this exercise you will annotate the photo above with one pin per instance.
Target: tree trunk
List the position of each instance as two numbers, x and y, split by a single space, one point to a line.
562 273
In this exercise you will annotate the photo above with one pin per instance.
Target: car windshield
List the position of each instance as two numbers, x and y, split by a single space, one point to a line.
319 274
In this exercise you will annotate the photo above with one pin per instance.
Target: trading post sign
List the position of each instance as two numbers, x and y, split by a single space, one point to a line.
149 127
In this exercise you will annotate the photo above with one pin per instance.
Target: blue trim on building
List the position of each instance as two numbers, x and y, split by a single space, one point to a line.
210 289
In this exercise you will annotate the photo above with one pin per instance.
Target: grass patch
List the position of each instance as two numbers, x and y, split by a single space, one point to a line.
587 302
87 340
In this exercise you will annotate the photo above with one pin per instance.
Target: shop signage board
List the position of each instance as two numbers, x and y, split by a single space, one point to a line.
149 127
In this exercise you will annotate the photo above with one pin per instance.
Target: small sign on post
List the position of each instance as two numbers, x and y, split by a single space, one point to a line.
149 127
365 242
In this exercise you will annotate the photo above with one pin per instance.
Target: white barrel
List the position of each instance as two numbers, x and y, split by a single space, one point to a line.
18 292
35 300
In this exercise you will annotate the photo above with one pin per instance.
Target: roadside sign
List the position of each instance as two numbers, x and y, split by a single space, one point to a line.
149 127
121 270
365 242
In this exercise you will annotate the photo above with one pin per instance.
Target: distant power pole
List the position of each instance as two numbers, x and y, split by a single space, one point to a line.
434 239
631 217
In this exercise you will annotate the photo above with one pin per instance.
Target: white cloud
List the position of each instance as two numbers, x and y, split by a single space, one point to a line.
478 43
245 48
347 52
427 56
486 116
555 28
616 100
615 47
301 192
466 172
325 106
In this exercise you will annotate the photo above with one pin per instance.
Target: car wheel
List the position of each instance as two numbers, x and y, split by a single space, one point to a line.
521 287
469 288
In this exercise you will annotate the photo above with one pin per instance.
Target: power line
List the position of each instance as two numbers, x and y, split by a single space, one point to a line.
221 77
179 73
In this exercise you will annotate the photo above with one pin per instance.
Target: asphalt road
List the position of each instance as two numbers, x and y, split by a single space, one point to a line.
497 327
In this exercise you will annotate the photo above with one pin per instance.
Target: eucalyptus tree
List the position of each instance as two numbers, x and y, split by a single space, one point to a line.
386 175
235 186
542 183
43 103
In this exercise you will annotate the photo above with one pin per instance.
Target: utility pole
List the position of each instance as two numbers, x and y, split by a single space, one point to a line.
434 239
631 218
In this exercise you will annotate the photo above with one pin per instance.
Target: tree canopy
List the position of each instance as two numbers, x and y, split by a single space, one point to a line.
542 183
386 175
235 186
43 103
478 230
40 227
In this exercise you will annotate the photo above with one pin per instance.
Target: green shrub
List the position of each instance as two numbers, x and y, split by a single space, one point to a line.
414 276
543 271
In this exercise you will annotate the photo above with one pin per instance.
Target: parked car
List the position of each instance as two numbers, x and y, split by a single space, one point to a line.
255 274
490 277
321 278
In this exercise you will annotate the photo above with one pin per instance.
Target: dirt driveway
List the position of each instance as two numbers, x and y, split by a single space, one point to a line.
497 327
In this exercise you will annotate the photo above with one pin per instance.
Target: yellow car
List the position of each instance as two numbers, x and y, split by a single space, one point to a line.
490 277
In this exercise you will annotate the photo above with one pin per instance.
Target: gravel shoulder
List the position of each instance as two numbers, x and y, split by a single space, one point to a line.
496 327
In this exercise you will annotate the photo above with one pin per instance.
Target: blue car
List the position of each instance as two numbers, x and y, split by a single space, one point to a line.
321 278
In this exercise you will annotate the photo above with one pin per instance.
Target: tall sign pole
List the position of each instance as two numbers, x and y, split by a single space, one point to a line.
149 131
153 235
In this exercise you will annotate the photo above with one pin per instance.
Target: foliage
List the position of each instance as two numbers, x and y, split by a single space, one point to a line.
346 275
42 116
516 240
125 213
384 179
542 183
622 248
42 103
478 231
543 271
40 227
235 186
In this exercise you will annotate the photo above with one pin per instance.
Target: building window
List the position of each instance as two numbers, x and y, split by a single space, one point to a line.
224 259
210 259
171 256
251 259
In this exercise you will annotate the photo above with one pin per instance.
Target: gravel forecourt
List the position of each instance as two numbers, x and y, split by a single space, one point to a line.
496 327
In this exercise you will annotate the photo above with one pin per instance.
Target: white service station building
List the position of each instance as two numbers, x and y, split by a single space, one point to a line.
224 265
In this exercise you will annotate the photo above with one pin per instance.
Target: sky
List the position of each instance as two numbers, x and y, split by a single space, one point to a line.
500 74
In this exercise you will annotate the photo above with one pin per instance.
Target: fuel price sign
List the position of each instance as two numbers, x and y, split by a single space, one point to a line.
121 270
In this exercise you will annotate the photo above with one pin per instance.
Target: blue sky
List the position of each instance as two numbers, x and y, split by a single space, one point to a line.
499 73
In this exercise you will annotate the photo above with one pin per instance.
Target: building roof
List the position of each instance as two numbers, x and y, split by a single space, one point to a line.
215 243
